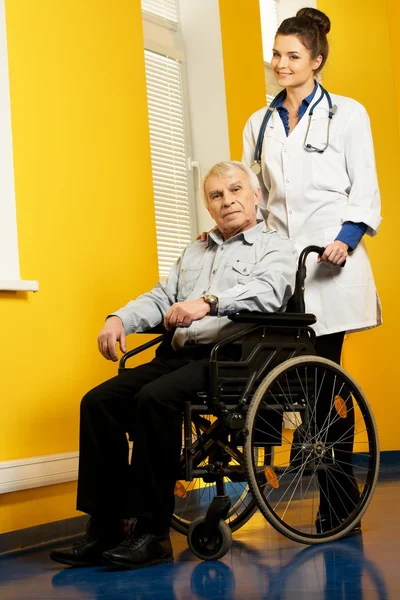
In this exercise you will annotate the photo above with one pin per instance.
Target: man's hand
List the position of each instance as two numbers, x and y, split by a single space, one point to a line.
335 253
112 332
182 314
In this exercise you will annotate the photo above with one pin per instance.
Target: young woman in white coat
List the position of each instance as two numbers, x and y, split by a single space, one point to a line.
316 167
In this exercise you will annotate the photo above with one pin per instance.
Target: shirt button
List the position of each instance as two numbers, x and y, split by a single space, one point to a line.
287 180
285 150
214 271
290 212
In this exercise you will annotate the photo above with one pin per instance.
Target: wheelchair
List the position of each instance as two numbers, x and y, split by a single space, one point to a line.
280 430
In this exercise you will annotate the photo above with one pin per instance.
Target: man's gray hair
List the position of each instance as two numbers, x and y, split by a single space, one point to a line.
225 168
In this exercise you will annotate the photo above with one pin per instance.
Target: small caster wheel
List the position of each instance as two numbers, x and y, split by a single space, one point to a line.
209 547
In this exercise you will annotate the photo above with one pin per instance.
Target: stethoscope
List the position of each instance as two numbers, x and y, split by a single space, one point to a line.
256 164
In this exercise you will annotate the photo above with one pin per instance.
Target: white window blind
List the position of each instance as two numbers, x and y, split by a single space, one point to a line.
166 9
269 25
168 157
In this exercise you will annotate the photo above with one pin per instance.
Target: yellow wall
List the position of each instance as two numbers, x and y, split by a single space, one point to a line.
394 16
85 221
362 64
243 66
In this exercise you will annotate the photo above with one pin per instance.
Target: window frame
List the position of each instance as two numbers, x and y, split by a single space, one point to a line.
163 39
9 273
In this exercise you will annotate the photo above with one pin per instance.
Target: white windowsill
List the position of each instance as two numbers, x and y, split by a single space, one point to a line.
19 285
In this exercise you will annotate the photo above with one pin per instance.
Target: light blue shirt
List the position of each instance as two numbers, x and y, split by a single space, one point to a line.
253 270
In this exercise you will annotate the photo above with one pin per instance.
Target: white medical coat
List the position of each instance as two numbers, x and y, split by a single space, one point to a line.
307 196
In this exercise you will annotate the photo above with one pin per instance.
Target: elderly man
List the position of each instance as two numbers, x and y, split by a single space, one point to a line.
241 266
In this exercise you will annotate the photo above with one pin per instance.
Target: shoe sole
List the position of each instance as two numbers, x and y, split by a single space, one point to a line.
129 567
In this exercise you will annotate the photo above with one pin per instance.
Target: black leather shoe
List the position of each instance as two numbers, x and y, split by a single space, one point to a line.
140 551
325 523
87 551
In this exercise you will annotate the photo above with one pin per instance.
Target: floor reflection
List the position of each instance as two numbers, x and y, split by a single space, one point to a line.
261 565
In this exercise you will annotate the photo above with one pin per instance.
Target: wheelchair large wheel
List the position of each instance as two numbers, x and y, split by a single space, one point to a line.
325 464
192 499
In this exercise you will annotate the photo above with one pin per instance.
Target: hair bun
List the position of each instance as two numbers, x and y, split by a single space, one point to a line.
317 16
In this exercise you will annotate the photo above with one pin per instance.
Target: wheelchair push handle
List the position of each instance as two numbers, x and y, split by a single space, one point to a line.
298 304
308 250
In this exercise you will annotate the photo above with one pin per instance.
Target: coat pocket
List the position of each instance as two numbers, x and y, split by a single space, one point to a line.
357 270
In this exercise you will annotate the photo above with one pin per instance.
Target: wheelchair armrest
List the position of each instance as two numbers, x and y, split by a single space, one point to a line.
158 329
139 349
274 319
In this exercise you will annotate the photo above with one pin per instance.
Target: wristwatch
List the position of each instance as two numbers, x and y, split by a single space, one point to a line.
213 302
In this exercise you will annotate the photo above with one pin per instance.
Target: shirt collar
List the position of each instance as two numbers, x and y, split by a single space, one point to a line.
306 101
249 236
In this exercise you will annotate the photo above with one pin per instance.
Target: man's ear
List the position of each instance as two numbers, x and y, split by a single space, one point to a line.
257 196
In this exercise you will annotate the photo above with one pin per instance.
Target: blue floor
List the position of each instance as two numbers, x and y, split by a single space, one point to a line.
261 564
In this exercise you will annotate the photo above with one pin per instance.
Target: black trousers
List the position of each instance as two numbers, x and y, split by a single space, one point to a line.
148 399
338 489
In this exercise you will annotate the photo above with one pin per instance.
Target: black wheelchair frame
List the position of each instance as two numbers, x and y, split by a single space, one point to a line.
267 369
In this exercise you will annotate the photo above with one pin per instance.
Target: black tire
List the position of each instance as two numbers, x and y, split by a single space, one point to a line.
288 493
210 548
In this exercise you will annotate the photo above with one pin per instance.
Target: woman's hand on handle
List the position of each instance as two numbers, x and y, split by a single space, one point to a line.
335 253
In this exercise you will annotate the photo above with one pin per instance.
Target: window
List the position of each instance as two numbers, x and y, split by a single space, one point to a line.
165 9
169 134
9 260
168 158
269 25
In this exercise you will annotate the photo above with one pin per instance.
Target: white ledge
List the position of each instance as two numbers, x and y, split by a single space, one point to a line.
28 473
18 285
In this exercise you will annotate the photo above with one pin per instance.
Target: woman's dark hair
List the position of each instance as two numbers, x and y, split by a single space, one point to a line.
311 27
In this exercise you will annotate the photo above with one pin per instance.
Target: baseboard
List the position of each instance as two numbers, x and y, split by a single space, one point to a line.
39 536
28 473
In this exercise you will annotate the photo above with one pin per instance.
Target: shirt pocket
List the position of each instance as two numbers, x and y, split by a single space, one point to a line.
242 269
357 270
188 278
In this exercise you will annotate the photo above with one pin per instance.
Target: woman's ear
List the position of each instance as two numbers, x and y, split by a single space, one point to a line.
317 62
